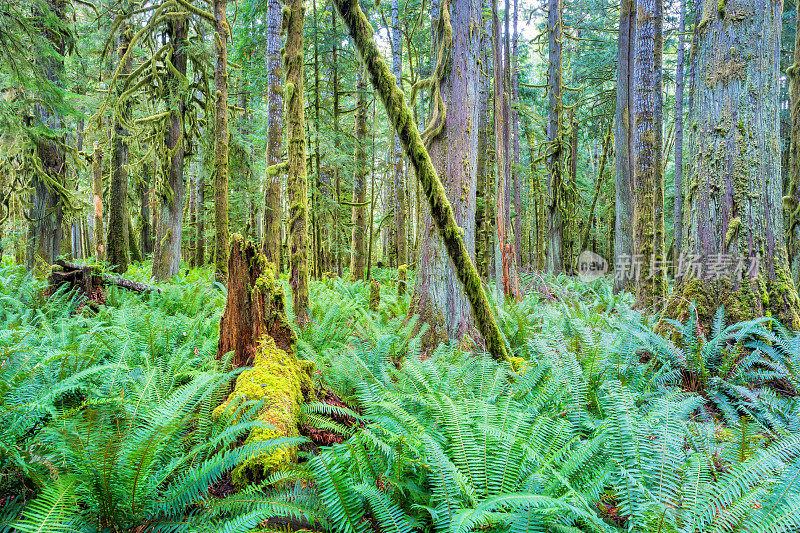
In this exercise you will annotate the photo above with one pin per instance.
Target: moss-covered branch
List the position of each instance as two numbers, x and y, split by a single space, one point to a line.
441 211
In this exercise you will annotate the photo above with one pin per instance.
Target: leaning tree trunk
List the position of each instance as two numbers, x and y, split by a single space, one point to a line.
735 221
117 242
272 201
296 181
358 247
440 209
171 197
221 226
623 143
555 185
437 298
46 204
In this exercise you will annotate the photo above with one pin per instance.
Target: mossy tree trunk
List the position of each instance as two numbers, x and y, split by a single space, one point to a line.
623 140
143 189
437 298
515 172
171 192
555 185
118 233
679 86
649 282
255 305
296 149
97 193
483 170
221 224
441 211
793 231
358 219
734 193
401 235
200 219
272 200
46 210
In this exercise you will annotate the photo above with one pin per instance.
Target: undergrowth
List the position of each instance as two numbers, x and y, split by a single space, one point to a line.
608 426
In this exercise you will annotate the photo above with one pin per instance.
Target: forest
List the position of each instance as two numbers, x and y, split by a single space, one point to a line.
354 266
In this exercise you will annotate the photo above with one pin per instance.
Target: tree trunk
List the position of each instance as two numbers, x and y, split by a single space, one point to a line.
358 219
221 225
677 238
647 171
401 236
515 172
400 116
623 142
734 201
597 188
171 197
200 222
438 300
296 149
97 191
46 208
483 171
143 185
272 200
555 196
793 231
118 232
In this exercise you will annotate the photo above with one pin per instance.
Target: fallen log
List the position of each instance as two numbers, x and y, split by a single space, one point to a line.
86 278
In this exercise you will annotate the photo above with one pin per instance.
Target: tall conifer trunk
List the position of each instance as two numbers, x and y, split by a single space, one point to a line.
272 200
555 197
221 225
296 183
734 201
171 195
357 242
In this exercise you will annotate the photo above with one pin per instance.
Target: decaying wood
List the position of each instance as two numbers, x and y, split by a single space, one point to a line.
81 276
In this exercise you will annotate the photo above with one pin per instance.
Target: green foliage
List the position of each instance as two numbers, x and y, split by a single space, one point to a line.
604 426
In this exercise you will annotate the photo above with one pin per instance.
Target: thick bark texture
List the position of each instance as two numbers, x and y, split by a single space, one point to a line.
793 231
272 201
46 207
118 233
171 192
401 235
440 209
255 306
221 225
555 217
647 168
734 194
623 140
296 181
677 238
357 242
437 298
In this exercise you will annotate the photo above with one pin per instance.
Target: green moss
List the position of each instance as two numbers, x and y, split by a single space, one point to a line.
282 382
374 295
733 228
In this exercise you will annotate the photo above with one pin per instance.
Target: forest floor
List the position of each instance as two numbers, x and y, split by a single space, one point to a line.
107 417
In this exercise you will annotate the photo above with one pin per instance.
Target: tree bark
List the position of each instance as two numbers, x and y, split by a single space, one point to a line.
515 173
97 191
221 225
46 204
296 150
555 196
401 236
272 200
793 231
171 195
358 219
623 141
734 200
647 168
677 238
118 241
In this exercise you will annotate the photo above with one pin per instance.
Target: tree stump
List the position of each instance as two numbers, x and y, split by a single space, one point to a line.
255 328
255 306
